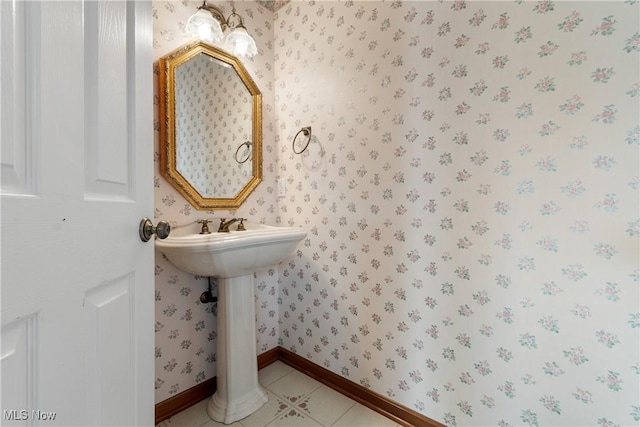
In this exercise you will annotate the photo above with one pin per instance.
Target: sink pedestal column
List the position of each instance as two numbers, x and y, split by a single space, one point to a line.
238 393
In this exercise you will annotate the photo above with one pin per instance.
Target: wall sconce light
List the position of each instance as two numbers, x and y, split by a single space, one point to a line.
209 25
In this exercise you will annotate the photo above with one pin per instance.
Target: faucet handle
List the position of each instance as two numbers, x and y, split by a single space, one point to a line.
241 225
205 226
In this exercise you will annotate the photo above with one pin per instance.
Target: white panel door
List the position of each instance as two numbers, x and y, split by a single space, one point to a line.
77 177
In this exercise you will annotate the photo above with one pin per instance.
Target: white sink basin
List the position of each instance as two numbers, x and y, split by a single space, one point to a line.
232 254
233 257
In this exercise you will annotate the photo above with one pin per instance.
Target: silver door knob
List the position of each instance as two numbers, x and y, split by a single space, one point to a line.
147 229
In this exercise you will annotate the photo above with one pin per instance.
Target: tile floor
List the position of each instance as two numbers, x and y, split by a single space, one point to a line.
294 400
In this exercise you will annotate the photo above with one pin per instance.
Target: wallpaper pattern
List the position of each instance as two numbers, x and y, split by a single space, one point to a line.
472 201
185 339
471 197
213 113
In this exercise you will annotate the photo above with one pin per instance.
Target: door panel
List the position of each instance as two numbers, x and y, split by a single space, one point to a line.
109 149
77 154
17 150
18 355
110 318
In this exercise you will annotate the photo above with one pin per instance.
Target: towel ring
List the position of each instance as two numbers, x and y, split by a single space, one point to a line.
306 131
248 144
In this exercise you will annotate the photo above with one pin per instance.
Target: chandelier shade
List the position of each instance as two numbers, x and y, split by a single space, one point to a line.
209 25
241 43
204 26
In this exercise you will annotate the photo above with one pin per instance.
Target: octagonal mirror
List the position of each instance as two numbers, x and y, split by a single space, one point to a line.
210 126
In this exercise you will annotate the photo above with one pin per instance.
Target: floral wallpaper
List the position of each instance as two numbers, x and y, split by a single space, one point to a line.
471 196
185 338
207 142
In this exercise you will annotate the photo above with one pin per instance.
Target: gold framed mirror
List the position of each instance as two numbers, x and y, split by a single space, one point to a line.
210 126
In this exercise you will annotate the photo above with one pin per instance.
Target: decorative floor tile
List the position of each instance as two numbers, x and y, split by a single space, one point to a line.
275 407
269 374
195 416
294 386
293 417
325 405
294 400
361 416
212 423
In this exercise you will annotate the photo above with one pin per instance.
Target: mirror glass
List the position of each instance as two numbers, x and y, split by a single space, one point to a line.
211 136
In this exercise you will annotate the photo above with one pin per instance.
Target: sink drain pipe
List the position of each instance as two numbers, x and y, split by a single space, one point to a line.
207 296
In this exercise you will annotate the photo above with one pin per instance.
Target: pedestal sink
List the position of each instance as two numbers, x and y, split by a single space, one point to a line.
233 258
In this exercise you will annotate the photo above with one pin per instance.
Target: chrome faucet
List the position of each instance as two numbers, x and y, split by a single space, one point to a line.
224 225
